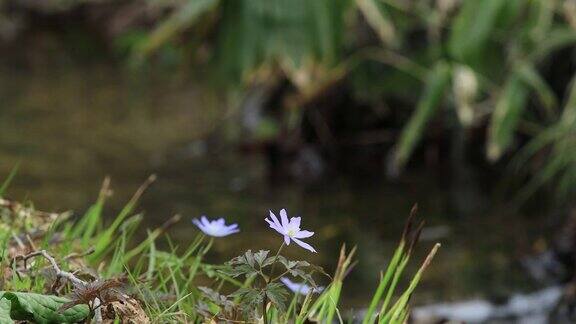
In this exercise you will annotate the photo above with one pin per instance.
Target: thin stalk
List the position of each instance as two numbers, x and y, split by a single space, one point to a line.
276 259
267 281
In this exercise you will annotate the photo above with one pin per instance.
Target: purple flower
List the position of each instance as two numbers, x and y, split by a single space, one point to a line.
300 288
215 228
290 229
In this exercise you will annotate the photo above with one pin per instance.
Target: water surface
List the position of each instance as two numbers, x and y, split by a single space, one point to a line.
72 127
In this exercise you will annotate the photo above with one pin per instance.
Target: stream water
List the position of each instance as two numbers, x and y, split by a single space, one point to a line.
69 128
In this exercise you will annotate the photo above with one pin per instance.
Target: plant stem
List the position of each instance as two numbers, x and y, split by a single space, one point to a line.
276 259
279 276
264 315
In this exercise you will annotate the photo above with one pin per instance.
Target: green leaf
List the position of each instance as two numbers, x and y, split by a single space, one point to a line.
277 295
5 312
260 257
379 19
249 258
546 95
267 34
437 82
8 180
250 298
43 308
244 264
104 242
540 19
180 19
555 39
238 270
473 28
506 115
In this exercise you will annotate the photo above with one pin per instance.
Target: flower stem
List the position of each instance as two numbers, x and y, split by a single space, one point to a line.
276 259
267 281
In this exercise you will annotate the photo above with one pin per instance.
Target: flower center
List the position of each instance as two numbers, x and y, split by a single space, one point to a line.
291 232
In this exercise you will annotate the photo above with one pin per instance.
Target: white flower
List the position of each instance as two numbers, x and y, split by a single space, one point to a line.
215 228
290 229
300 288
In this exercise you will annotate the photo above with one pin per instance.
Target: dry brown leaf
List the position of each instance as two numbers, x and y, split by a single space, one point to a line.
128 311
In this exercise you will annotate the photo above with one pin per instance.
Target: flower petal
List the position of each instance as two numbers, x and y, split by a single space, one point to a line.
295 222
287 239
200 226
275 219
303 234
232 226
297 288
304 245
274 226
231 231
204 220
284 218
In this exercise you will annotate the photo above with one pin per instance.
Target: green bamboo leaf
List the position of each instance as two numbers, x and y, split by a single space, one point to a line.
552 134
541 18
264 35
558 162
555 39
531 77
379 19
436 85
561 161
181 19
473 28
509 108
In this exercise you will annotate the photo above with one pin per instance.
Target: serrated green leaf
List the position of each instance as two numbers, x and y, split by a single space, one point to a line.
260 257
277 295
238 270
249 258
249 298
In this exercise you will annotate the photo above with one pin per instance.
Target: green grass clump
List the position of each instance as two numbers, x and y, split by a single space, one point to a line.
59 269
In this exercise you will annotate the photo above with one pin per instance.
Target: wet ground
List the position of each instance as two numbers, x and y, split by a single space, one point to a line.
69 129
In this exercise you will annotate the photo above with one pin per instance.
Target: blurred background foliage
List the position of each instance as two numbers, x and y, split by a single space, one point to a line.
482 79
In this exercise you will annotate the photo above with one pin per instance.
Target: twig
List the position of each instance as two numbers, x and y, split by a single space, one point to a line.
76 282
75 255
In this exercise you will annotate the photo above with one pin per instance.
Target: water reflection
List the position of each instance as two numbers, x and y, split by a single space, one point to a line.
71 129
